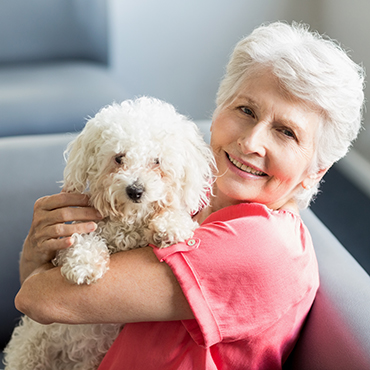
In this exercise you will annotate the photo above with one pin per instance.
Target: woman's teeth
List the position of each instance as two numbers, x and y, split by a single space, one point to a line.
245 168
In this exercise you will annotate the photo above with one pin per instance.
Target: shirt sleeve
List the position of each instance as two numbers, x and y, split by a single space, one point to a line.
240 276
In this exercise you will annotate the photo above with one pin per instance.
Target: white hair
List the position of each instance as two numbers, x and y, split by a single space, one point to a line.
311 68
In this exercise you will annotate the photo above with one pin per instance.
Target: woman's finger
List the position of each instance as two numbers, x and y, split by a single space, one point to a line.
62 200
69 214
54 245
62 230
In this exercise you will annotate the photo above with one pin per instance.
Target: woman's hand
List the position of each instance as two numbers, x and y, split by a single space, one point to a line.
49 230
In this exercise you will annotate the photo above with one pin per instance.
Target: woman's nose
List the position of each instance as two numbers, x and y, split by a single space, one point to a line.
254 140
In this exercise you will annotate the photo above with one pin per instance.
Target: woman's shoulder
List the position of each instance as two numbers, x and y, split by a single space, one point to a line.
248 233
253 231
245 212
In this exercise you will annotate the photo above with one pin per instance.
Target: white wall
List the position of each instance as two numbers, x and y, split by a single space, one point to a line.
349 22
176 50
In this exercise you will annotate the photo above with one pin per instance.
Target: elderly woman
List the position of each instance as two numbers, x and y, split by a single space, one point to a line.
288 108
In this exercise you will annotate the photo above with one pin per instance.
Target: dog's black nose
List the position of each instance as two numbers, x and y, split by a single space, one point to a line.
135 191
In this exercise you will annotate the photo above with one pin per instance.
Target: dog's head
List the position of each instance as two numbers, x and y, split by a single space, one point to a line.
139 157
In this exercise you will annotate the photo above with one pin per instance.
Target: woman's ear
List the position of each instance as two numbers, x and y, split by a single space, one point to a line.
313 179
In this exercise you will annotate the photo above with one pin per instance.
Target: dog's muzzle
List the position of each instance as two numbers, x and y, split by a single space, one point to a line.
135 191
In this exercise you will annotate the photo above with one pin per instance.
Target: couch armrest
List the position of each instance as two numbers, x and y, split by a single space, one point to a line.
337 332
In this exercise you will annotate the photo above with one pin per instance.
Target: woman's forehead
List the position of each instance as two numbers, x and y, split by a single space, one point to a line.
265 76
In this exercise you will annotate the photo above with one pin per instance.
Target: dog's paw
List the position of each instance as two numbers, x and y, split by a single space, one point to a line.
86 261
84 274
166 230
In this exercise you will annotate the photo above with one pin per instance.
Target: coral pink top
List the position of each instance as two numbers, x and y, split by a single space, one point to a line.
250 276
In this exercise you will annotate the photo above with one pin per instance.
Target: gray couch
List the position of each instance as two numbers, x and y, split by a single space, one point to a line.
54 65
337 333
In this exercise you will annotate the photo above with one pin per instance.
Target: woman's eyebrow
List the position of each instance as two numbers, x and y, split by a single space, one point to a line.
249 101
244 99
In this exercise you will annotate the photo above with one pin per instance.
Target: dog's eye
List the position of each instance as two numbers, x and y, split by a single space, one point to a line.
155 163
119 159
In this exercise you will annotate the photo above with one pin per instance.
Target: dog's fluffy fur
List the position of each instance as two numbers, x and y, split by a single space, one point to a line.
146 169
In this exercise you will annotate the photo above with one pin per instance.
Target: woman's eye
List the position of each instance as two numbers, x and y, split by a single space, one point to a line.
247 111
119 159
288 133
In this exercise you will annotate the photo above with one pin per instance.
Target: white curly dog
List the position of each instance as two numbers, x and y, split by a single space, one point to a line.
146 169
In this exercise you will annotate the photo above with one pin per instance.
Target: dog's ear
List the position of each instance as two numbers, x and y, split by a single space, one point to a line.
81 158
200 167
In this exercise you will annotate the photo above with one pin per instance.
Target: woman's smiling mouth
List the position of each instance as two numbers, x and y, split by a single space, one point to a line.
244 167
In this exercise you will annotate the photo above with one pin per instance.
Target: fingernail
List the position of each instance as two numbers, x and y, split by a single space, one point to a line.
91 226
98 214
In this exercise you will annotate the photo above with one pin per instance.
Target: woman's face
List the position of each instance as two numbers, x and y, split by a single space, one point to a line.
264 144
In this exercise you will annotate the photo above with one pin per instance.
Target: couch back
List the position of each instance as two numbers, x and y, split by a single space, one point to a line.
43 30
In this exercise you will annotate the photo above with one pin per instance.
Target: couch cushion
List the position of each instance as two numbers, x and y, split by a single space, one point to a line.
54 97
40 30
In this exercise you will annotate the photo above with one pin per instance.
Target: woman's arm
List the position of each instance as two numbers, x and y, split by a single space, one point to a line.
136 288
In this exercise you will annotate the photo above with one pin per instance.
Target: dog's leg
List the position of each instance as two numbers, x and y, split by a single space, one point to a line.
86 261
58 347
171 228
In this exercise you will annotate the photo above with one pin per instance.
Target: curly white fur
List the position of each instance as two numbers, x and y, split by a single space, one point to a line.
146 169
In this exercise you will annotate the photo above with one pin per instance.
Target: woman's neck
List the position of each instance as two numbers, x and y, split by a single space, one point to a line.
219 201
